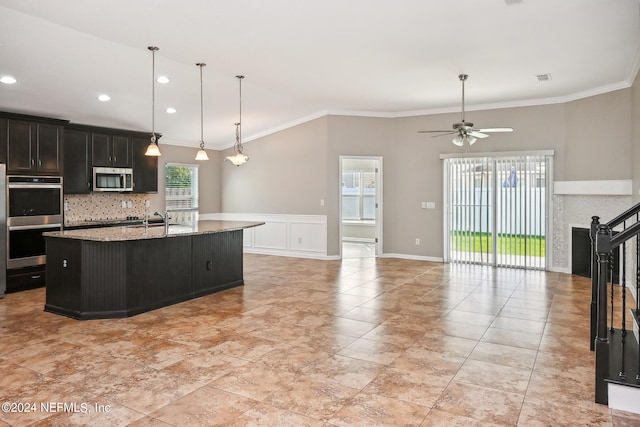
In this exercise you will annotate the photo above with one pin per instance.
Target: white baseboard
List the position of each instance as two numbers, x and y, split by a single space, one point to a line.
412 257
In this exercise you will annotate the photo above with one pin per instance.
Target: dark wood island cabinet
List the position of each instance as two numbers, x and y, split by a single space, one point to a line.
123 271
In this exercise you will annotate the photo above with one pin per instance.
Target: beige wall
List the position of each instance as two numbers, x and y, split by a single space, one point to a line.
591 124
286 173
635 136
291 171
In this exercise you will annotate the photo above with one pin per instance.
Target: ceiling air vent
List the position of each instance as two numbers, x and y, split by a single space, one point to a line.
543 77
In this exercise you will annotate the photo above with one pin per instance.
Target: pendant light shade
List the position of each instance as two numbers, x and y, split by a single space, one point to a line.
460 139
238 158
152 149
202 154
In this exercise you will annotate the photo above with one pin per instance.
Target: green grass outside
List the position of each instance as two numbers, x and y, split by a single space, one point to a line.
507 244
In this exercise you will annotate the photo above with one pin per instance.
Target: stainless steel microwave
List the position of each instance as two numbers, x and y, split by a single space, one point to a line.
112 179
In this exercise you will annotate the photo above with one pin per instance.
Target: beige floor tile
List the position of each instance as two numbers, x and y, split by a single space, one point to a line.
317 399
491 375
375 341
480 403
205 406
375 410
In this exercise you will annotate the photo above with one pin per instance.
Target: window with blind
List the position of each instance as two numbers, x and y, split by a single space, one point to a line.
181 193
359 196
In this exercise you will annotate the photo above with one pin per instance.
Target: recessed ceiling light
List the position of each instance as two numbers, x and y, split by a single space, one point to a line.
163 79
8 80
104 97
171 110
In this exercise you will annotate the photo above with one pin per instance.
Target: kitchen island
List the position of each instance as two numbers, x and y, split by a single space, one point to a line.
119 272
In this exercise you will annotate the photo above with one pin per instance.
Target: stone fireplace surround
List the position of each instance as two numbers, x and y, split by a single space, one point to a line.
574 203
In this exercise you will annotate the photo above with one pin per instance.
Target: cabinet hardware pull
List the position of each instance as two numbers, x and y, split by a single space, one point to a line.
209 266
36 277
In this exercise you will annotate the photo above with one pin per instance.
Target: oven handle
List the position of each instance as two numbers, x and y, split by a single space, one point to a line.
19 185
33 227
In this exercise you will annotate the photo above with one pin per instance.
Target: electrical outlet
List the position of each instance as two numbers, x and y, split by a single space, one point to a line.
424 205
417 242
321 202
129 204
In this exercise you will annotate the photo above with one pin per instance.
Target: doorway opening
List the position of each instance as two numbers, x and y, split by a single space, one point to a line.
497 210
360 206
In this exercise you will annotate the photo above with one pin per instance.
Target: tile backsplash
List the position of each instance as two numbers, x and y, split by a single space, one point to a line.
102 207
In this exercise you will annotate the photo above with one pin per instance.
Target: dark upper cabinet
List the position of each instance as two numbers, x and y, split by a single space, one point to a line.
145 168
109 149
77 160
32 146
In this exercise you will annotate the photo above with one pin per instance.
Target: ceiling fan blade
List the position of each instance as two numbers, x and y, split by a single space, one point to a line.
474 132
490 130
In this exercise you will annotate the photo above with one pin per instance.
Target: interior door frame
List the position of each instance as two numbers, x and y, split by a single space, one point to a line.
379 209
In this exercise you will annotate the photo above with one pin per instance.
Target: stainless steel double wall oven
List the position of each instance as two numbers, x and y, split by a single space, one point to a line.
34 206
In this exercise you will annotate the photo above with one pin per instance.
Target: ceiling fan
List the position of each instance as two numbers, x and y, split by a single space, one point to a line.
463 130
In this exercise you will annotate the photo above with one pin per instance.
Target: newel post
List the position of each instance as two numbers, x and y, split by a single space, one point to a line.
603 249
595 221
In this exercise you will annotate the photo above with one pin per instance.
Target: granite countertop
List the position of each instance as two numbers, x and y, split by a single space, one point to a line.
106 222
153 231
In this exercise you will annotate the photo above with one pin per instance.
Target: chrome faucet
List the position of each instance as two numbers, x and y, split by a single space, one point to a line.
166 219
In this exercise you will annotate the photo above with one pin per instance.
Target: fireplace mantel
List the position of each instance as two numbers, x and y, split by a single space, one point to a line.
620 187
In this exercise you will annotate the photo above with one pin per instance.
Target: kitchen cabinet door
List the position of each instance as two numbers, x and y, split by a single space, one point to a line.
120 153
145 168
20 156
77 160
100 149
110 150
49 149
34 148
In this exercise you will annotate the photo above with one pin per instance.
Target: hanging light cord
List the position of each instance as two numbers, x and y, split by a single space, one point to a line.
239 124
153 50
201 64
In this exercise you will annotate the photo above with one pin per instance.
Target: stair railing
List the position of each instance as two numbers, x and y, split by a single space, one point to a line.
603 243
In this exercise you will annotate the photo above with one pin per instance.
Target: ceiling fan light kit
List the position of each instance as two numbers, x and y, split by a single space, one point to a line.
464 131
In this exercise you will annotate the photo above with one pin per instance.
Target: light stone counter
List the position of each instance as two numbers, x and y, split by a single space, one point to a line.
153 231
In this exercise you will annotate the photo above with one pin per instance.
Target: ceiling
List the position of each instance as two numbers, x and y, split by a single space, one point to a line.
305 59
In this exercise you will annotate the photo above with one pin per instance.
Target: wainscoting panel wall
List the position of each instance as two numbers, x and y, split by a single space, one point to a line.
302 236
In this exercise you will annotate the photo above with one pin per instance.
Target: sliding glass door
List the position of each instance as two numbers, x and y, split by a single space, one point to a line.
497 210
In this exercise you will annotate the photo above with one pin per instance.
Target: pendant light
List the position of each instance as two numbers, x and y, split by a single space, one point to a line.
238 158
202 154
152 149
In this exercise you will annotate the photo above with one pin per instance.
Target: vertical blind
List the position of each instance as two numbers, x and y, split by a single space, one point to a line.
497 210
181 192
